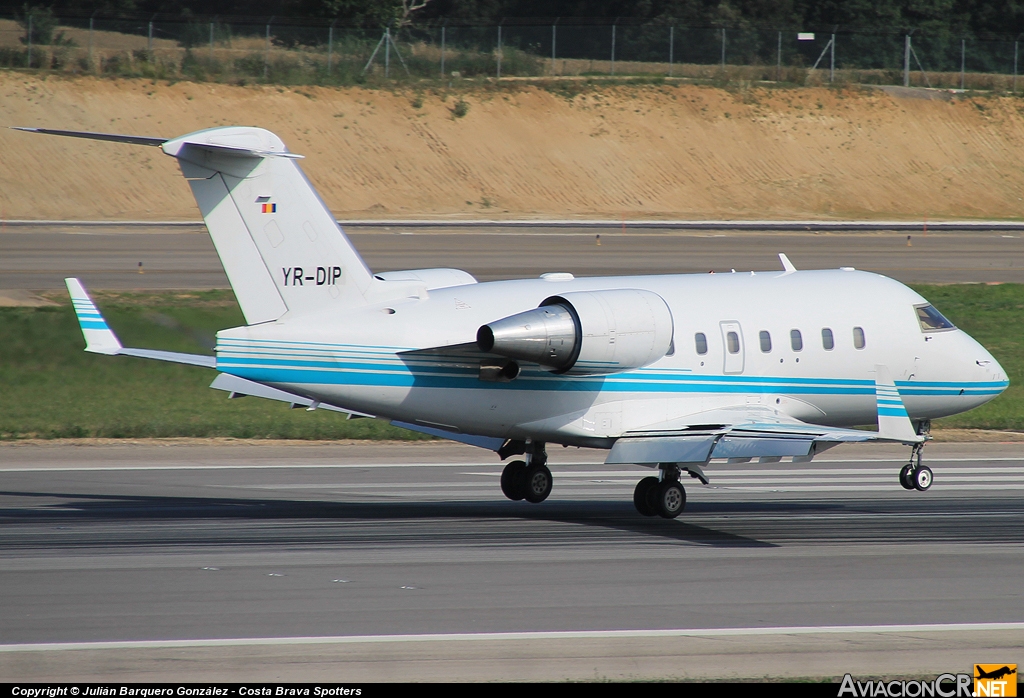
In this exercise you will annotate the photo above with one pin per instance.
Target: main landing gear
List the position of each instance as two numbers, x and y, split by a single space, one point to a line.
530 479
660 496
913 475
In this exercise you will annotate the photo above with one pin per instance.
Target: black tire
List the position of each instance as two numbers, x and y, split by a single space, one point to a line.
669 499
642 498
537 483
922 478
513 480
907 476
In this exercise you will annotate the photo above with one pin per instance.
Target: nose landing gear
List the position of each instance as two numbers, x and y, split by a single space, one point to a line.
914 475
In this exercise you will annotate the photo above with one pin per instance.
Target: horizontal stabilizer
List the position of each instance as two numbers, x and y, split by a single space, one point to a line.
100 339
114 137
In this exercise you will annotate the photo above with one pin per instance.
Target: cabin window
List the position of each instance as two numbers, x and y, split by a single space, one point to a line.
858 337
796 340
701 341
931 319
827 340
766 341
732 342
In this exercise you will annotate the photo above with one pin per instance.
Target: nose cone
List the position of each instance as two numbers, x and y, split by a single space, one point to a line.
989 373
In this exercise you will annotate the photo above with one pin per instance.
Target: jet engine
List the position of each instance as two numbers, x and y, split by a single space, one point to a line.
585 332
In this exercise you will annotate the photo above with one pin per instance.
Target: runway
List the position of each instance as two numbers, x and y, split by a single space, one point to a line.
404 562
108 258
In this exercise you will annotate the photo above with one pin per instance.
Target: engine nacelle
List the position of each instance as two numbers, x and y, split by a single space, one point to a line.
585 332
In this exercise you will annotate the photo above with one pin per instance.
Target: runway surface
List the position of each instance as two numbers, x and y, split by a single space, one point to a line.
397 556
39 259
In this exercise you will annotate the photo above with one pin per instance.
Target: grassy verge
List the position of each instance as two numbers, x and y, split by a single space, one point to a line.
50 388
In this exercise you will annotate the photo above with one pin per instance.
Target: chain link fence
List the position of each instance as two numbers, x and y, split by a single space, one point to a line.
280 52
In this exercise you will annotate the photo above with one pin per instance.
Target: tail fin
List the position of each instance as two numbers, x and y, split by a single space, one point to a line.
279 244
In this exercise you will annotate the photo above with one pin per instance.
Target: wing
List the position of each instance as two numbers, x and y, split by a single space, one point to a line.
746 432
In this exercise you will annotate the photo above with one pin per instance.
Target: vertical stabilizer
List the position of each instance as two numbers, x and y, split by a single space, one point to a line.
280 246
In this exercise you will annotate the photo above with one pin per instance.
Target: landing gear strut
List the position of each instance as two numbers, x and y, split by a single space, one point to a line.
914 475
530 479
660 496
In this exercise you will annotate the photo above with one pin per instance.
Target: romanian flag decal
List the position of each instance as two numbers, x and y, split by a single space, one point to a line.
269 208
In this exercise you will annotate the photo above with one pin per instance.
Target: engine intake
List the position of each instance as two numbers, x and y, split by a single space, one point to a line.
585 332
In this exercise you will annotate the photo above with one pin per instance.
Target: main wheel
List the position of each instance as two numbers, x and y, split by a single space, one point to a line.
538 483
907 476
669 499
641 496
922 478
513 480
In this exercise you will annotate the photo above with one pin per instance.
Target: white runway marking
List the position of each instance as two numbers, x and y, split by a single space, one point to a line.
492 637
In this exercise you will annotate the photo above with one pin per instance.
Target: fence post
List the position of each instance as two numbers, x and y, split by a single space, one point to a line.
832 67
266 56
90 40
29 57
671 46
387 52
553 38
499 50
330 45
149 41
613 47
211 42
1016 41
443 28
906 61
963 56
778 63
723 48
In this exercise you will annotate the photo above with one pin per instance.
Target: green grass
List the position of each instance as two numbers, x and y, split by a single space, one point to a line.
50 388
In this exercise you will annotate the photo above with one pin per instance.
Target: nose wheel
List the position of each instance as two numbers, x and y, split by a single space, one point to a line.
914 475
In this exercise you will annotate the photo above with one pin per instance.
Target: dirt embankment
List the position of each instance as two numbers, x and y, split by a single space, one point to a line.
657 151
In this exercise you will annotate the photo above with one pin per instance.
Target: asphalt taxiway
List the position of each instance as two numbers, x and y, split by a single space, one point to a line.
184 258
403 561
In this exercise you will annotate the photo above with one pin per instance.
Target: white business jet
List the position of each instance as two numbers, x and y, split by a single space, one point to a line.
668 371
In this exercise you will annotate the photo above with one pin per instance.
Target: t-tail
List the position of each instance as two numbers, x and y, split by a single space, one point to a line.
281 248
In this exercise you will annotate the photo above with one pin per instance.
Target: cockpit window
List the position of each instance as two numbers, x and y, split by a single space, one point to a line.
931 319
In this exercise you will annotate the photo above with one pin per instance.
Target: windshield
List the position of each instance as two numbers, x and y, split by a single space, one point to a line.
931 319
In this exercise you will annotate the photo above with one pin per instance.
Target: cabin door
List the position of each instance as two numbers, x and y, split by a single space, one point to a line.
732 341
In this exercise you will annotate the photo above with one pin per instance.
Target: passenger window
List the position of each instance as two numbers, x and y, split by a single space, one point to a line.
732 341
858 337
796 340
931 319
766 341
827 341
702 343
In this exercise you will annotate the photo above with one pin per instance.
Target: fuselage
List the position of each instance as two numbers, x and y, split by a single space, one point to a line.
804 343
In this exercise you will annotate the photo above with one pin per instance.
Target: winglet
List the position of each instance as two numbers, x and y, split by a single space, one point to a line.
893 421
786 264
99 338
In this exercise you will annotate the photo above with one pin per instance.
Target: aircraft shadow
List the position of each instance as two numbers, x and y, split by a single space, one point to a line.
596 516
